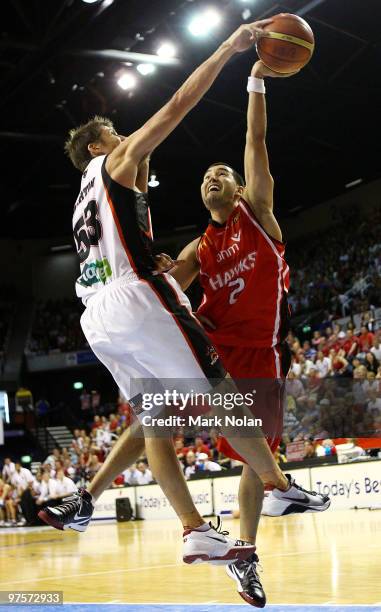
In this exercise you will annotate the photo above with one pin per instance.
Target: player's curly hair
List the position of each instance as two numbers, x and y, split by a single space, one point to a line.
80 137
237 177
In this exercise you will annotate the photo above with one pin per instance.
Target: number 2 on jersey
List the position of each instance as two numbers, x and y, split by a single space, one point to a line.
239 285
87 230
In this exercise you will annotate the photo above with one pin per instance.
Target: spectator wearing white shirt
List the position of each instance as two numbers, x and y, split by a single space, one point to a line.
22 478
323 365
141 475
206 465
44 489
376 348
55 456
190 467
61 486
8 469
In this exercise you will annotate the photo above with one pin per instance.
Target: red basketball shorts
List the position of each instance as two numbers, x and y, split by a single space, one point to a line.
245 364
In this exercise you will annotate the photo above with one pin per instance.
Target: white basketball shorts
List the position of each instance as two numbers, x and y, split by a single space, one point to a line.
144 329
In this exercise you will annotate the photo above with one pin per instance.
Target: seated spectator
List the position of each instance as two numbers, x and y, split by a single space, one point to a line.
190 467
44 489
21 478
181 450
61 486
371 363
53 457
205 465
5 490
339 364
309 449
294 386
94 465
8 469
201 447
317 339
97 422
323 365
365 339
139 475
326 448
351 344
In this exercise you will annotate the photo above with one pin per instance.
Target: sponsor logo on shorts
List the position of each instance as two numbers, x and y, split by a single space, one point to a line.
95 272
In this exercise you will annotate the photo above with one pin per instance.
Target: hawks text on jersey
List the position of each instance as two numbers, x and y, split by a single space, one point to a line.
245 279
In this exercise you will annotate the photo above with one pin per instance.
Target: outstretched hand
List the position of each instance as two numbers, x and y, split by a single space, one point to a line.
164 263
259 70
247 35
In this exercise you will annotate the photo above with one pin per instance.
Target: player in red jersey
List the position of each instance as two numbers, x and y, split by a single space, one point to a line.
245 278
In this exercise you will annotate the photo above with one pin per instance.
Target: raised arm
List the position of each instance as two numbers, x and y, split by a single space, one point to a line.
259 182
142 175
123 161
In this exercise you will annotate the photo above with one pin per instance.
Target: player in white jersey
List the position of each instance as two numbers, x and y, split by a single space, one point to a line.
137 321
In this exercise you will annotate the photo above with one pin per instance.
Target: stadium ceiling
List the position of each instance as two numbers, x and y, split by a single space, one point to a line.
60 61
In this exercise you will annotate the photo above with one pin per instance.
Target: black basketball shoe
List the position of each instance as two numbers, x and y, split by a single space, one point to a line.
75 512
248 583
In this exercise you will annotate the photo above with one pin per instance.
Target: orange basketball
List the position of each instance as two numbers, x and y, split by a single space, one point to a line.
288 45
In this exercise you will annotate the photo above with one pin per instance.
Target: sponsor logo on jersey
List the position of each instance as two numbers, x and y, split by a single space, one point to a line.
229 252
95 272
222 279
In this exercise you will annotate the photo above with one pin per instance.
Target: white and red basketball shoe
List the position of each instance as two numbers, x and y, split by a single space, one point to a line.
208 544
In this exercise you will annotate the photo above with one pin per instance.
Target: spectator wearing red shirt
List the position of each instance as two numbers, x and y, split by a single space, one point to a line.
366 339
97 422
200 447
351 344
114 422
181 450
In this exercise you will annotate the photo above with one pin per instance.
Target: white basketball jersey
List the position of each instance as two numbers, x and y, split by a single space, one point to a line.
112 231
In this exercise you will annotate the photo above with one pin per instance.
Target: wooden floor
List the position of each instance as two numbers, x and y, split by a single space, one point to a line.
333 557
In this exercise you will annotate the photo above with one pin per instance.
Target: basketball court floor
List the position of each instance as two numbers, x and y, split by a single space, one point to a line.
329 561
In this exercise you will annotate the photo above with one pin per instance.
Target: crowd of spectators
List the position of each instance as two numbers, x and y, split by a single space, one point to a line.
56 328
334 385
340 268
335 269
23 493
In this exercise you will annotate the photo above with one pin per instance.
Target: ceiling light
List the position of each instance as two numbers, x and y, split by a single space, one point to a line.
127 81
166 50
90 1
146 69
153 182
205 22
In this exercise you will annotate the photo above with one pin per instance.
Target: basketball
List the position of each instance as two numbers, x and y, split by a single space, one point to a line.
288 45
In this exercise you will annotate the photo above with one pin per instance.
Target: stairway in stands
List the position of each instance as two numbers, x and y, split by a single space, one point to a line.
61 435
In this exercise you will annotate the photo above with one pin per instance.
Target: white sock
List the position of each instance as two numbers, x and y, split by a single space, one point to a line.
204 527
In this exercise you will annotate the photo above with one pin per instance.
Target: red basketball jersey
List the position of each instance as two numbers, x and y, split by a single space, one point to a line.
245 280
